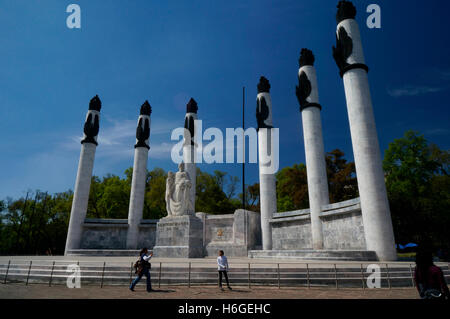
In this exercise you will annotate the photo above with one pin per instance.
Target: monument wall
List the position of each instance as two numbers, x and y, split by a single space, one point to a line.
112 233
147 233
234 233
342 228
240 232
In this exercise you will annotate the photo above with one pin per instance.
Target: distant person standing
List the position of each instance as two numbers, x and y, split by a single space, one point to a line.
143 268
222 266
429 278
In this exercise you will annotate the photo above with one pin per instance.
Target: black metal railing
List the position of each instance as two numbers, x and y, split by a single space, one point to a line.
293 274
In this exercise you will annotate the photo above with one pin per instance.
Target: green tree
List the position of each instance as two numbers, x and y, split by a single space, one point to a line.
95 194
342 183
108 197
155 204
418 187
210 193
115 198
292 182
292 188
32 225
251 198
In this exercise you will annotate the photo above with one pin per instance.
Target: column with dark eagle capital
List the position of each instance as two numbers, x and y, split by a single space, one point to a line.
139 176
84 175
189 146
308 98
266 156
349 58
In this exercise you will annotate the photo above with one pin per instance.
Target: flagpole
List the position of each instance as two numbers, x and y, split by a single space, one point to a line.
243 147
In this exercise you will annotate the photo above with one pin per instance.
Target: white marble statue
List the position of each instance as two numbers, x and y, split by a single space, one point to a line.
170 189
178 199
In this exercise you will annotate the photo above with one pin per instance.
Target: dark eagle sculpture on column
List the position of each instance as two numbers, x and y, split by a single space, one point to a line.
345 10
143 131
191 107
343 49
262 110
344 43
91 129
303 89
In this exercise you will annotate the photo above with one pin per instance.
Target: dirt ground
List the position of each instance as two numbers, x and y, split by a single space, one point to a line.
40 291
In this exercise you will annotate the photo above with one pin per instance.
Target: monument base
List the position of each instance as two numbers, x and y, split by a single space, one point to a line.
179 237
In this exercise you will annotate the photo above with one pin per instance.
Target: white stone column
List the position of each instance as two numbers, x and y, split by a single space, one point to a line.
189 147
308 97
139 178
84 175
266 156
372 189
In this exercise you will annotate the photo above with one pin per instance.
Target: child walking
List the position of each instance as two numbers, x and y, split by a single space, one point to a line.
222 266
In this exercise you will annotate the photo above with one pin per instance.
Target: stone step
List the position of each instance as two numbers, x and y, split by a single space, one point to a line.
338 255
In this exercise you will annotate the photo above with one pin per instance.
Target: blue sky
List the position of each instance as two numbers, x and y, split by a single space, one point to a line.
168 51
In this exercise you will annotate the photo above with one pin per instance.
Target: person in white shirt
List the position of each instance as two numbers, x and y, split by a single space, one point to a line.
143 269
222 267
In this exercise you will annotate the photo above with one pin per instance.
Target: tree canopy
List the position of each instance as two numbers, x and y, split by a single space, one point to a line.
418 188
292 184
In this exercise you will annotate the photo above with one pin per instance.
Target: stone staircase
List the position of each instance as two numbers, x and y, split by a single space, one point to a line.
351 275
326 255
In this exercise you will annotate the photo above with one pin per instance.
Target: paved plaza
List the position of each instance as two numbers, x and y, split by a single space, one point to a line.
21 291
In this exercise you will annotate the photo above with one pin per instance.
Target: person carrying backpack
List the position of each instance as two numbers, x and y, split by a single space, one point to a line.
429 278
142 267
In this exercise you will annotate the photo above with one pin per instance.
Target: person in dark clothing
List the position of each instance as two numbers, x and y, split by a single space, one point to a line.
222 267
429 278
143 269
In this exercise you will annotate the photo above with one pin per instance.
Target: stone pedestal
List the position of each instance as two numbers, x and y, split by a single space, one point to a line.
235 234
179 237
